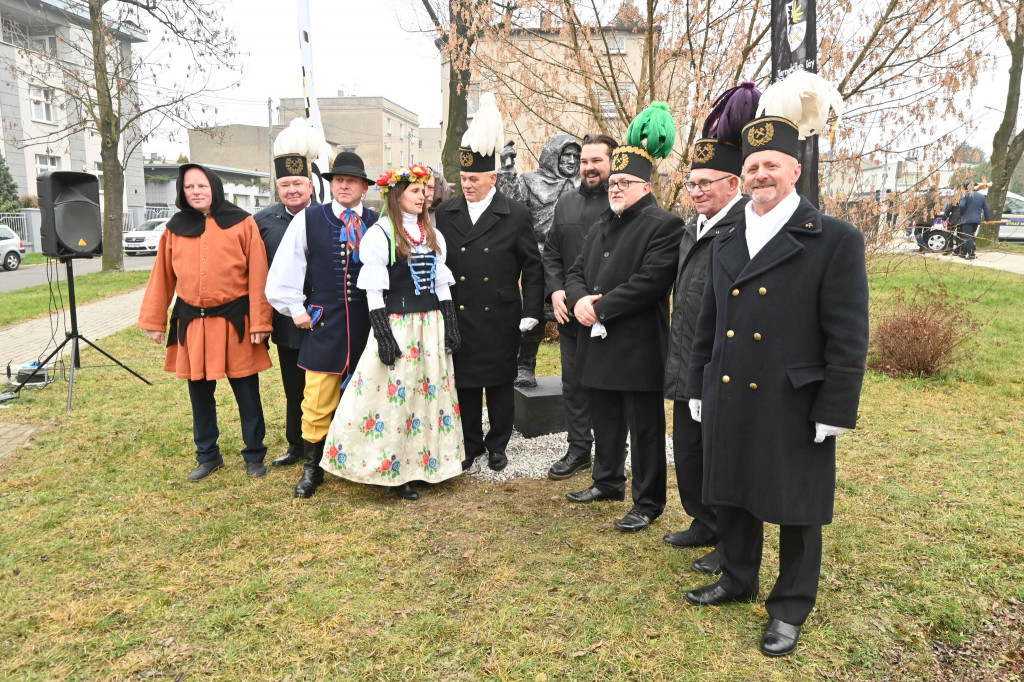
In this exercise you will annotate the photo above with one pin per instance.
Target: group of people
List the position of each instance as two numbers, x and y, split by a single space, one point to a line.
751 318
961 216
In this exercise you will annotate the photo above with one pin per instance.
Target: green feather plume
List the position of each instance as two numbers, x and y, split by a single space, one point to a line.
654 124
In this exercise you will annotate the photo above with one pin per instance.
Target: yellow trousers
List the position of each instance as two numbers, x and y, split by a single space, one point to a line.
319 401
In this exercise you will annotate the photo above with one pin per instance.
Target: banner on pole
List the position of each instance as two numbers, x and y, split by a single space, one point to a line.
795 48
321 188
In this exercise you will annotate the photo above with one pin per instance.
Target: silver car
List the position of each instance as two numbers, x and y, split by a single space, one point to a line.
145 238
11 248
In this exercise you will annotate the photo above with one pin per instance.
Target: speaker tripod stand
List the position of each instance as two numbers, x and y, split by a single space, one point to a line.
73 337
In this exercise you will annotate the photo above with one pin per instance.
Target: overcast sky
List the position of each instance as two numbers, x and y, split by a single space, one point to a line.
353 40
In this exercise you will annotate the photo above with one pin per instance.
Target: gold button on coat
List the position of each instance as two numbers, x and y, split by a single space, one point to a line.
462 307
487 279
487 250
725 379
762 291
757 337
462 249
753 387
462 278
486 309
730 333
735 292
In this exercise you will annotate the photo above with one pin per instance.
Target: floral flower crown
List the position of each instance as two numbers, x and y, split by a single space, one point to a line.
414 173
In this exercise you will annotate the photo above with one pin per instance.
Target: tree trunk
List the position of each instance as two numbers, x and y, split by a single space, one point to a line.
1007 148
458 90
110 138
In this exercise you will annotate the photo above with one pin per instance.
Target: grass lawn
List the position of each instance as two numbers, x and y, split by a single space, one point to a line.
30 302
113 566
34 259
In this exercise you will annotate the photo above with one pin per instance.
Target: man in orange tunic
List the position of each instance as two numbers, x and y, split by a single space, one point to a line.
212 256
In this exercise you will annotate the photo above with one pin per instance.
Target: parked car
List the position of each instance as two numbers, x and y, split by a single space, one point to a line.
145 238
11 248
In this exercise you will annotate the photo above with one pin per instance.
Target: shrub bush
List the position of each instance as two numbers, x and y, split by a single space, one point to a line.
922 332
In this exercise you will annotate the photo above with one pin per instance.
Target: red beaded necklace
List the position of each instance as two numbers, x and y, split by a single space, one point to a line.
423 235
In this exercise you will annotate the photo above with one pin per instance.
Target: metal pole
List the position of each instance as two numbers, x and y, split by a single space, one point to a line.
270 152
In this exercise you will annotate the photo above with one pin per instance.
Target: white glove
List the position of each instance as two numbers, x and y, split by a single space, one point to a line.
528 323
823 431
695 409
598 331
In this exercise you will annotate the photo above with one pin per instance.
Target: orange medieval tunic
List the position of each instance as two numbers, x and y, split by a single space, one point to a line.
213 268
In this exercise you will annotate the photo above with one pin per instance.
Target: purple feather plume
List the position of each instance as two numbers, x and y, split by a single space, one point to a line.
733 109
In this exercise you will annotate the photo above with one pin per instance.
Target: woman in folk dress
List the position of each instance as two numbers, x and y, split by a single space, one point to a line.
398 420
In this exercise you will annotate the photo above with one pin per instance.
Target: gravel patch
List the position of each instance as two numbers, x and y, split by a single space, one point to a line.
532 457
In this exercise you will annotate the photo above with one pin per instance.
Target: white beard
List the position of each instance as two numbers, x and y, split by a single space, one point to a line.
617 206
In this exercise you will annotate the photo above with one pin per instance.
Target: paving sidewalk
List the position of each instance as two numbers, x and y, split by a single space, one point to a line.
35 339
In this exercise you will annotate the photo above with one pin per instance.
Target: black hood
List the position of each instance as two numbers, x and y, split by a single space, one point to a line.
188 222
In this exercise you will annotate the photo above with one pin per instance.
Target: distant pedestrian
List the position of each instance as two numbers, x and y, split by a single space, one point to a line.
973 209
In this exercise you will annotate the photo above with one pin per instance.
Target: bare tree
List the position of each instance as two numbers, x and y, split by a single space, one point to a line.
1007 147
122 96
574 66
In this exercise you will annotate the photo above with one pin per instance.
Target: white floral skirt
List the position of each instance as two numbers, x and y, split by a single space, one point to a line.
403 424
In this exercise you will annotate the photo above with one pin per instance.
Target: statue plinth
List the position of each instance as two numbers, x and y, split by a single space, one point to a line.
538 410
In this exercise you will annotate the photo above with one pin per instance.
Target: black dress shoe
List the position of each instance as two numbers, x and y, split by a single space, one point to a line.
710 563
690 538
496 461
633 521
593 494
288 458
467 463
779 638
312 474
568 466
407 492
205 469
255 469
716 595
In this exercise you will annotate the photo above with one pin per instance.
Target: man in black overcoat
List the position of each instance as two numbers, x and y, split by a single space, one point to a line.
714 187
618 290
575 213
491 247
295 189
775 374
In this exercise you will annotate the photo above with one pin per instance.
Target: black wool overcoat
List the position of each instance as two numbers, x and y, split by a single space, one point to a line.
273 221
781 343
631 261
488 259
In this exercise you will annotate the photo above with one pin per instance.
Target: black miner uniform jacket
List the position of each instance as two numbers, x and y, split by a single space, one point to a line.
575 213
781 344
631 261
487 259
687 295
273 221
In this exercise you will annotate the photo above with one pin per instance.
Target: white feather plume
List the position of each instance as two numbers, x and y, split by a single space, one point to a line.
804 98
486 133
299 138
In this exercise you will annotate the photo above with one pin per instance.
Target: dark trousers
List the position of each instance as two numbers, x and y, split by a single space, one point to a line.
294 379
967 234
741 542
500 413
689 454
575 400
204 418
641 414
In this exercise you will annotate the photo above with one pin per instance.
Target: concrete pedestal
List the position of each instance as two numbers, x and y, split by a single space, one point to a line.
539 410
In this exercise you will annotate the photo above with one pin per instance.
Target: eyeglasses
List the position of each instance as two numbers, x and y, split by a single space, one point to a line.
624 184
704 185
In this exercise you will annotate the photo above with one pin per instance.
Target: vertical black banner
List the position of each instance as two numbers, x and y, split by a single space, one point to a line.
795 47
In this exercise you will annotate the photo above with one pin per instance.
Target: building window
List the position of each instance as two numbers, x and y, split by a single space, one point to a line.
388 151
42 104
46 163
43 44
389 126
607 104
616 44
14 33
401 129
348 149
439 145
421 145
99 177
401 158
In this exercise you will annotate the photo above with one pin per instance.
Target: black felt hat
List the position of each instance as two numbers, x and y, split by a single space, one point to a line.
474 162
632 160
350 164
714 155
771 133
288 165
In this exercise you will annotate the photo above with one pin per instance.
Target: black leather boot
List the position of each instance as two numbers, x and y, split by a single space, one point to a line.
529 345
312 474
293 455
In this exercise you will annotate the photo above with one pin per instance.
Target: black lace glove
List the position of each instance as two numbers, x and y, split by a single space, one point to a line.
452 339
387 346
